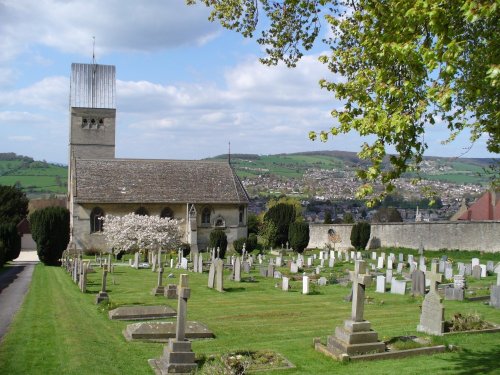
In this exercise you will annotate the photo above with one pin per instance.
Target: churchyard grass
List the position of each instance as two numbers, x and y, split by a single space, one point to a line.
61 330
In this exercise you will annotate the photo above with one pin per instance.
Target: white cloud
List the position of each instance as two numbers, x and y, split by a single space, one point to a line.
118 25
21 138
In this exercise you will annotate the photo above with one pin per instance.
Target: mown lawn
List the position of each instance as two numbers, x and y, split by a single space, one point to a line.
59 330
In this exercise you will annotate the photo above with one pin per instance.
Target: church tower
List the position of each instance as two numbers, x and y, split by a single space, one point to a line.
93 112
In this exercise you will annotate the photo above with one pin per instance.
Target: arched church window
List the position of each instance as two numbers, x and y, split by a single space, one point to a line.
242 215
96 224
220 222
205 216
141 211
167 212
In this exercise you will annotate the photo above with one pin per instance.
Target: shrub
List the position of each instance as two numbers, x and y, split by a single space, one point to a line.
13 204
252 242
299 236
360 234
238 244
50 230
281 215
218 239
11 241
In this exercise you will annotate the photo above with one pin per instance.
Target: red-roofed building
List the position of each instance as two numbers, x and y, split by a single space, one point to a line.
485 208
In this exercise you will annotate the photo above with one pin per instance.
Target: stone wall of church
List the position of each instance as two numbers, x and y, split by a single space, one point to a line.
227 214
459 235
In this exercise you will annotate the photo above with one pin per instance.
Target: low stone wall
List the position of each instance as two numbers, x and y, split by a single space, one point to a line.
460 235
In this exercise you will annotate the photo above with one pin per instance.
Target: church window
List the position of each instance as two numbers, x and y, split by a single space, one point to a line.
167 212
96 223
220 222
141 211
242 215
205 216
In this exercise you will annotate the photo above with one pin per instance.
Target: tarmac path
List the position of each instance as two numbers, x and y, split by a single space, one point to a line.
14 283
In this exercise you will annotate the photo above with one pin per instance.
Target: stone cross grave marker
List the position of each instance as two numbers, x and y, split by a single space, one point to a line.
178 356
103 295
432 316
360 279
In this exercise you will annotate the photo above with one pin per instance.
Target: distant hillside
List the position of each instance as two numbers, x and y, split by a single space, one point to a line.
34 177
454 170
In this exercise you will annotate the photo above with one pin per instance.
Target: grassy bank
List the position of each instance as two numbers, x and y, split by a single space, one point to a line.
59 330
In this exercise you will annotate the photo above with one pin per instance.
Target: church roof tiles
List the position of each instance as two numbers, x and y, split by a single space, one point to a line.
156 181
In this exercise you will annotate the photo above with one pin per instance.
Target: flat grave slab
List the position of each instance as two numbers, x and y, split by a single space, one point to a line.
141 312
162 331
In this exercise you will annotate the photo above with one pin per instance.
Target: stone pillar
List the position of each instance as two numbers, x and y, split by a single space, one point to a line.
160 289
103 295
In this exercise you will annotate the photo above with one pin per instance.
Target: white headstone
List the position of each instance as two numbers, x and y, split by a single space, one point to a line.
380 284
305 284
284 283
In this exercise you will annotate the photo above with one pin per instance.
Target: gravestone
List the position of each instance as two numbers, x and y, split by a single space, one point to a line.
448 271
490 266
474 262
142 312
456 293
211 275
294 268
389 263
136 261
219 275
380 287
356 336
388 275
380 263
270 270
305 284
432 315
246 266
160 289
83 279
103 295
285 281
374 255
322 281
401 257
184 263
237 270
476 272
418 283
200 263
163 331
398 286
495 292
400 268
171 291
195 263
331 262
177 356
483 270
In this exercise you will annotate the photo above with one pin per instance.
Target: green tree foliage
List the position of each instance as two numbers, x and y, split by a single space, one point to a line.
348 218
13 204
283 199
238 244
186 249
2 253
387 215
11 240
298 236
252 242
281 215
268 233
253 223
50 230
405 65
328 218
218 239
360 234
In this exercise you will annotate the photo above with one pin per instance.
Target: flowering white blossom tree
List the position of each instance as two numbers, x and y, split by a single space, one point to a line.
136 232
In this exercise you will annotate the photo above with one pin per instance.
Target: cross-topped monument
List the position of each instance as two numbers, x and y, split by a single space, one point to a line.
360 279
432 316
177 357
356 336
434 277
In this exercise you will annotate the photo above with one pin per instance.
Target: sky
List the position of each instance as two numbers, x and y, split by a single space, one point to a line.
186 87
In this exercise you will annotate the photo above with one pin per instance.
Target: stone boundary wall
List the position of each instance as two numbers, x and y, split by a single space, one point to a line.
459 235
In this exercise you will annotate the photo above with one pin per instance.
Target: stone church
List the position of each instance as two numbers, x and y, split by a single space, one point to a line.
205 194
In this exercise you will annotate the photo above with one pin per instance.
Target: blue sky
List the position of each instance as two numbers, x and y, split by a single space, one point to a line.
185 86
